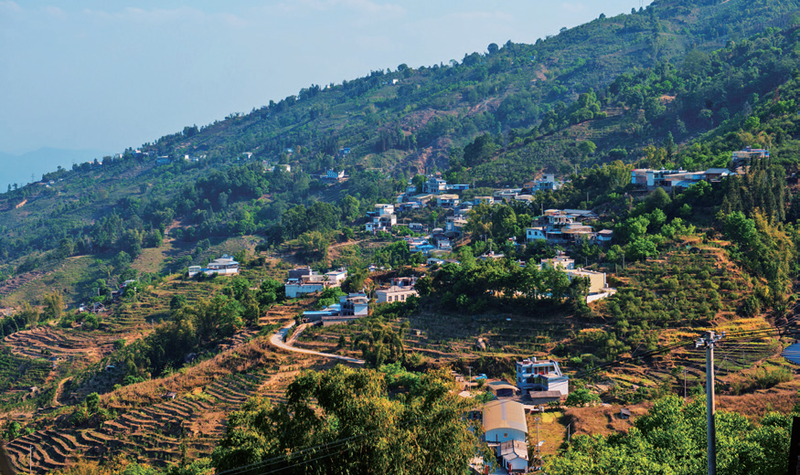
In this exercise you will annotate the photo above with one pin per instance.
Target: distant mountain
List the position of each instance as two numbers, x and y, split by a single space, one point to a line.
19 168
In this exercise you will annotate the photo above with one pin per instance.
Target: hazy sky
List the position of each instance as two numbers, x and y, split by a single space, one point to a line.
113 74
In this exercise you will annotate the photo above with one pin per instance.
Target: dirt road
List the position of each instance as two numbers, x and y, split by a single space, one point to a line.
279 340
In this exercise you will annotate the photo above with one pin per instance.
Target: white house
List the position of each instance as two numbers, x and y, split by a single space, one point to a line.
514 456
383 209
305 281
356 304
544 375
336 277
395 294
225 265
434 185
561 260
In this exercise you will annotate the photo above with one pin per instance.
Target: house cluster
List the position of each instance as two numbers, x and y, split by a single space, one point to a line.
304 280
429 244
675 179
566 227
225 265
436 191
504 423
350 306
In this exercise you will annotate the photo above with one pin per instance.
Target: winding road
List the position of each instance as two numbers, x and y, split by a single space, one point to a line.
278 339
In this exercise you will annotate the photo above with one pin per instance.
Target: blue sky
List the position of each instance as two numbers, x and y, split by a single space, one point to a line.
113 74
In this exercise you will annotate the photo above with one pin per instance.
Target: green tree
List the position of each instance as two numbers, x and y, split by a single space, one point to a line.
671 440
422 432
53 306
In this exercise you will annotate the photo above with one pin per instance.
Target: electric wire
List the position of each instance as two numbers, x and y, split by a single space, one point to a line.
358 439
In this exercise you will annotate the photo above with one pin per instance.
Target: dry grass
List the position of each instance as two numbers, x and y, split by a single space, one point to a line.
603 420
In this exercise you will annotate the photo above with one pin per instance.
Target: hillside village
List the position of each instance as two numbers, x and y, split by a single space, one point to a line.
511 263
535 384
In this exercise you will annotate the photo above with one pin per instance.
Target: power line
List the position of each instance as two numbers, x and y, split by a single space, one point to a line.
289 458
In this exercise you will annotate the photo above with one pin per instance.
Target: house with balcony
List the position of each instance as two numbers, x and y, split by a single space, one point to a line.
447 201
541 375
434 185
382 222
354 305
547 182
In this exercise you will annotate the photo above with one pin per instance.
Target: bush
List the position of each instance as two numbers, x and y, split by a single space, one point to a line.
581 397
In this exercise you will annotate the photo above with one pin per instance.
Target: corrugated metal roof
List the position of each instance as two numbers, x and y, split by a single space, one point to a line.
513 449
498 385
504 414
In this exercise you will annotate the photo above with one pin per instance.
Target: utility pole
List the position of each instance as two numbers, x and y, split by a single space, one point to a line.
708 342
30 460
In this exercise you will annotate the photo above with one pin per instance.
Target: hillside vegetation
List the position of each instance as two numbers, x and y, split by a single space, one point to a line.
111 353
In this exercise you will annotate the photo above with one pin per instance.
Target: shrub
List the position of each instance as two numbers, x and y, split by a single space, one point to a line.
581 397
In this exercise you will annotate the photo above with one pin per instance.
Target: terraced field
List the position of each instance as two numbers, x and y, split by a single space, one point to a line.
51 342
164 431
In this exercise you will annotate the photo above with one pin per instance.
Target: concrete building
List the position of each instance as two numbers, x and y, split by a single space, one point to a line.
544 375
547 182
561 260
354 305
303 281
395 294
597 280
434 185
225 265
743 157
447 201
383 209
513 455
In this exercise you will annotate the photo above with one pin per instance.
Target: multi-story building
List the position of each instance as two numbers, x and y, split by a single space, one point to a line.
541 375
